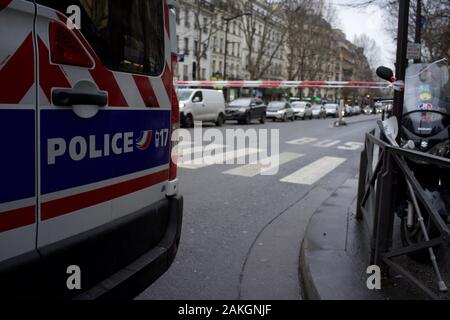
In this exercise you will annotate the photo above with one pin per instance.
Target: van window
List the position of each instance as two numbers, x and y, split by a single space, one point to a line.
198 95
127 35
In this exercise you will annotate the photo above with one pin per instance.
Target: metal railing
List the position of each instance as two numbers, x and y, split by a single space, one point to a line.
385 177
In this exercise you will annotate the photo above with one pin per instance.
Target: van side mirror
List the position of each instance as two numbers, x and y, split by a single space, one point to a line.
385 73
196 100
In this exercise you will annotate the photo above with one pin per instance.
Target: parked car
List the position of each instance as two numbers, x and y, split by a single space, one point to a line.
388 105
302 110
319 111
244 110
356 110
201 105
332 109
348 111
369 111
280 111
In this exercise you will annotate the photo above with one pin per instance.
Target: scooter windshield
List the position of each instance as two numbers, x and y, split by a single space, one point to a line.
427 99
427 88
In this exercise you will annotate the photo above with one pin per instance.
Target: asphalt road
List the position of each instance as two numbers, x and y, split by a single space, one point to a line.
242 230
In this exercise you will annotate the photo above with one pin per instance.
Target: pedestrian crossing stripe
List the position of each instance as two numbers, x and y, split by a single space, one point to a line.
268 166
307 175
200 150
219 159
315 171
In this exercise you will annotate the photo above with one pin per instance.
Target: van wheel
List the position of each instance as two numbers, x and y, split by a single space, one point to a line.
220 120
263 119
189 121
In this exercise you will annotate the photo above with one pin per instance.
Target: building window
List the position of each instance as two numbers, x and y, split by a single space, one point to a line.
203 74
186 46
205 25
196 48
177 11
185 73
187 23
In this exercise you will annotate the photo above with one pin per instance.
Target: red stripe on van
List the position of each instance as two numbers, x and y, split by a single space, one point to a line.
50 75
146 90
4 4
167 79
105 81
17 76
17 218
59 207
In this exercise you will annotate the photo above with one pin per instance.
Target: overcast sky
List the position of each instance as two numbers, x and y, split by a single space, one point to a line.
370 21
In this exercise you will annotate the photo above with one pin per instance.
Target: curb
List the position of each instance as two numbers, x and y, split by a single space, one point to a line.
309 290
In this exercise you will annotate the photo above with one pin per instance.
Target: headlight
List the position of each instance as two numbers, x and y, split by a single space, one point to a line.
441 150
242 110
181 105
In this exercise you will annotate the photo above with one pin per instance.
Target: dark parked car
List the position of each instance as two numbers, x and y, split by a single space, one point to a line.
244 110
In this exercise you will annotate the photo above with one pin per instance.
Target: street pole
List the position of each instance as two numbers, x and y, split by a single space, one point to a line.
402 62
227 21
418 37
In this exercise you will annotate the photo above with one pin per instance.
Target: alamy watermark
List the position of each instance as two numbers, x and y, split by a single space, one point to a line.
74 280
205 147
374 279
74 17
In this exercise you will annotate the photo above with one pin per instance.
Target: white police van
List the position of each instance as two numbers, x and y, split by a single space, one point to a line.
87 110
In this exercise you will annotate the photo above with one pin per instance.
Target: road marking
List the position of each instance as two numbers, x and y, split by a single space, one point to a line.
252 170
302 141
218 159
327 143
187 151
312 173
352 146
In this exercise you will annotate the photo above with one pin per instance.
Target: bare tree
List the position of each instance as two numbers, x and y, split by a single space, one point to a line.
264 34
369 48
310 41
205 24
436 32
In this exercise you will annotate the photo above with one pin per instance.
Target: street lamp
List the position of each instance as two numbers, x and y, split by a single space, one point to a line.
227 25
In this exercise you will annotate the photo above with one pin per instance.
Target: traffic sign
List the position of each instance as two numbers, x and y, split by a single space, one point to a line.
414 51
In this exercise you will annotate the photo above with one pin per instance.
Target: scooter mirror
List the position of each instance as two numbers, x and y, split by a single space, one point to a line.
385 73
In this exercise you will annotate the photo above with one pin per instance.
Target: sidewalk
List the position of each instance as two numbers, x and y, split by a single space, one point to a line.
335 256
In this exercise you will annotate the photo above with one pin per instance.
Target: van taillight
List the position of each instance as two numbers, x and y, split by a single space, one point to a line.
66 49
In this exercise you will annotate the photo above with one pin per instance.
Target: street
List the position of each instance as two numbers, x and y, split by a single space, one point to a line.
242 231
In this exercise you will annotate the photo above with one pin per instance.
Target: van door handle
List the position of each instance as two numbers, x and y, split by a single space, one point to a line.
69 98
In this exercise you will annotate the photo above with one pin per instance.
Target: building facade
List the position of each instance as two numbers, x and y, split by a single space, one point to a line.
256 47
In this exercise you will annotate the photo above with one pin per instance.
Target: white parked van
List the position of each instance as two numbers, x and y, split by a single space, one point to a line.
201 105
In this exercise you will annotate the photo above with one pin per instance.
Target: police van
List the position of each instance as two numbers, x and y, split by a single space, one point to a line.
89 203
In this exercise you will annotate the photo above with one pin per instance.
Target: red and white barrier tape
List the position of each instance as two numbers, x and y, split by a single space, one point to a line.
265 84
